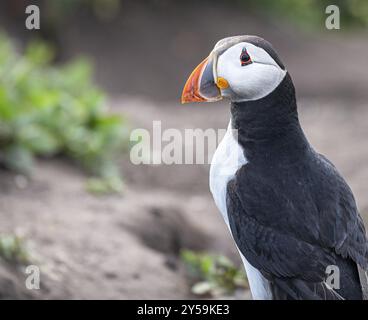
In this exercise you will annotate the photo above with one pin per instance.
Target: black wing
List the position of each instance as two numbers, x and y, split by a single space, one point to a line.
271 251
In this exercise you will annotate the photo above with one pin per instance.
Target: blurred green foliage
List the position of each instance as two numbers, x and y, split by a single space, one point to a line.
13 250
353 13
214 275
47 110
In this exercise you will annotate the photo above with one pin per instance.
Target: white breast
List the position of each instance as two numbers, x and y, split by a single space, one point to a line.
228 158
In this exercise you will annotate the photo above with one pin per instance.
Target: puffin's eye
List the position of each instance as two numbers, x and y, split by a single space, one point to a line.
245 58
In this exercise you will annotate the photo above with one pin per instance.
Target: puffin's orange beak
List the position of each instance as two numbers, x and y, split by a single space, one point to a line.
200 85
191 88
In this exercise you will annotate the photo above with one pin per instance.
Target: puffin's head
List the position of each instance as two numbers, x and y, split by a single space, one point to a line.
241 68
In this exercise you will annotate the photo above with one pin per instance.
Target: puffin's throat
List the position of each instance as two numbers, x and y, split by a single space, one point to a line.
269 127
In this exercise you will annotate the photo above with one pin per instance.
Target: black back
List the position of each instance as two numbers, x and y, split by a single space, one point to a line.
290 211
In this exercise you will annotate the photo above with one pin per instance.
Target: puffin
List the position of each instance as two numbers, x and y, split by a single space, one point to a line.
290 212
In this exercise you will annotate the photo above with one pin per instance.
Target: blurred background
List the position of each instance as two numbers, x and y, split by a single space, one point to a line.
72 203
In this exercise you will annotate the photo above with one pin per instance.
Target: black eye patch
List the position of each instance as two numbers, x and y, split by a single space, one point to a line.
245 58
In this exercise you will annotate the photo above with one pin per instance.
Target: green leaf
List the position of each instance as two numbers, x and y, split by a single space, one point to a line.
13 250
39 53
38 140
213 274
101 186
202 288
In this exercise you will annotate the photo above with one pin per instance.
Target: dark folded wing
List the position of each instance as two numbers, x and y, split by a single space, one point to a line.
271 251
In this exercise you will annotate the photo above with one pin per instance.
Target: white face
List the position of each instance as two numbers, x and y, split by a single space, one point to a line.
251 81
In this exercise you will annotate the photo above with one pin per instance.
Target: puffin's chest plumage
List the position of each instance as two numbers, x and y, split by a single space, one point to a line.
228 158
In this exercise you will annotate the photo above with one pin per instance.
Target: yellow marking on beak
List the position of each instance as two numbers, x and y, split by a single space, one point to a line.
222 83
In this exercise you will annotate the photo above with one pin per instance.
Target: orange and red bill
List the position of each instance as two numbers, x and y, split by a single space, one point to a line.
201 85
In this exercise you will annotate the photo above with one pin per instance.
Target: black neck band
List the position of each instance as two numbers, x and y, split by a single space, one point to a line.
269 127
